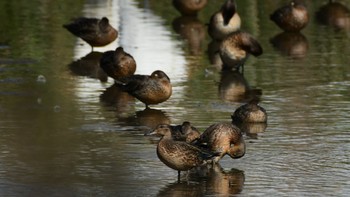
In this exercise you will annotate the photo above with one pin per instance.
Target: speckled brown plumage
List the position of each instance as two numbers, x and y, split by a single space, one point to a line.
184 132
179 155
225 138
189 7
96 32
118 64
292 17
149 89
225 21
250 112
334 14
236 47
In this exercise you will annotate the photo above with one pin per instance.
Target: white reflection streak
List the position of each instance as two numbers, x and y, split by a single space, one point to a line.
142 34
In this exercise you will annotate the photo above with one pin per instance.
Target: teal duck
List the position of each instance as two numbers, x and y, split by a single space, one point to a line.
96 32
292 17
224 138
184 132
189 7
250 112
236 47
179 155
118 64
149 89
225 21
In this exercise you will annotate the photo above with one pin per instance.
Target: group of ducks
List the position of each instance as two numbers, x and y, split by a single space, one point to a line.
183 147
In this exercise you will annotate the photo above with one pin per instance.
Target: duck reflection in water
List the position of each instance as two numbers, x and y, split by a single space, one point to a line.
335 15
89 66
233 87
192 30
291 44
217 181
224 182
152 117
189 7
145 119
120 100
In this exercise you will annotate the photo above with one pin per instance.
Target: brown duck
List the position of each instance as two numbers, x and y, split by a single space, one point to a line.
225 21
179 155
189 7
149 89
118 64
96 32
224 138
292 17
184 132
250 113
236 47
334 14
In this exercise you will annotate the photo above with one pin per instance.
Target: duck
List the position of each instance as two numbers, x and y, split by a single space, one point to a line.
223 138
334 14
292 17
184 132
189 7
118 64
190 132
180 155
96 32
250 112
225 21
235 49
149 89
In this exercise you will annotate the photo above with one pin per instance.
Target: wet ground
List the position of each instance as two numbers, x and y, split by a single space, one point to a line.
65 132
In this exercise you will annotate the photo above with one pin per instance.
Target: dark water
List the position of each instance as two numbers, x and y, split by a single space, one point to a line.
63 132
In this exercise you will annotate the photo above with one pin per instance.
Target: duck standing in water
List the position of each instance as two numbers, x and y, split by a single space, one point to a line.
184 132
224 138
118 64
189 7
225 21
292 17
96 32
179 155
250 113
235 49
149 89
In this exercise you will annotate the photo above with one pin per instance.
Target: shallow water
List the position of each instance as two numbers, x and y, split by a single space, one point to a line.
65 132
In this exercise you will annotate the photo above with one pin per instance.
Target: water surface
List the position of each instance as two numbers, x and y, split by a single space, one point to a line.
65 131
